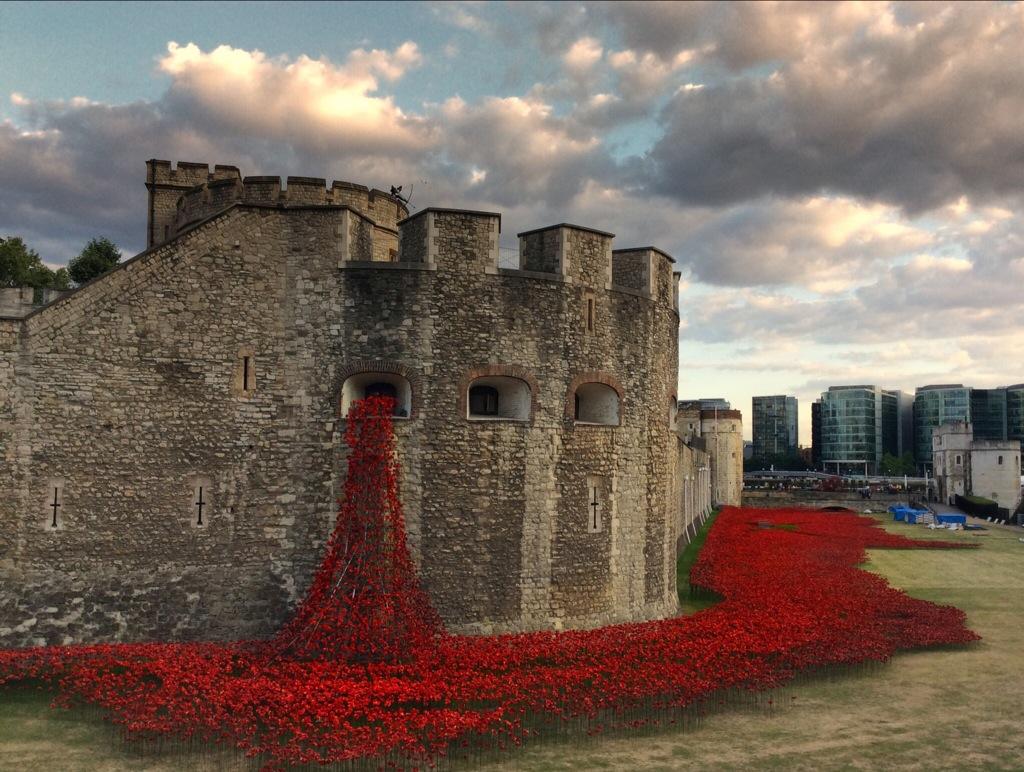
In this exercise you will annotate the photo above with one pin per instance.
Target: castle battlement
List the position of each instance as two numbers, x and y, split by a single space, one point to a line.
378 229
189 192
186 412
209 197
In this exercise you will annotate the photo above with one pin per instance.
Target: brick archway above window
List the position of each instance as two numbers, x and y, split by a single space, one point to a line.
385 366
499 371
593 376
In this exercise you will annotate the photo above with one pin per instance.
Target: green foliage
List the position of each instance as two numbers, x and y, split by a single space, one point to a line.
22 267
894 466
692 599
61 279
98 257
779 462
980 500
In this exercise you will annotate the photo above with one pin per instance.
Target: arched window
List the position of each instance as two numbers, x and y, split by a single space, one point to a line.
483 401
596 404
362 385
381 389
498 397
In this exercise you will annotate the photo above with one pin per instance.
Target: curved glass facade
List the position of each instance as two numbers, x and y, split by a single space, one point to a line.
933 406
859 424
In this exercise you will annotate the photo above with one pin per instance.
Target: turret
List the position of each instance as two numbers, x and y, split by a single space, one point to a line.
189 192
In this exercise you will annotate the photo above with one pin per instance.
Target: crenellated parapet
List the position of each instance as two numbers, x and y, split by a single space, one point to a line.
186 414
208 198
185 194
375 227
571 254
166 183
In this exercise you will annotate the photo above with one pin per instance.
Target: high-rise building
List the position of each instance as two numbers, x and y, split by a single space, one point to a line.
775 426
994 414
816 433
934 406
859 424
988 413
1015 412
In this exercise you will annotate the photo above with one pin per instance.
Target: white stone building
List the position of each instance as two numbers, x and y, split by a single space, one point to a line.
965 466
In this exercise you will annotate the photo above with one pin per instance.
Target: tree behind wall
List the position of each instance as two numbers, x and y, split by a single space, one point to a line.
98 257
894 466
22 267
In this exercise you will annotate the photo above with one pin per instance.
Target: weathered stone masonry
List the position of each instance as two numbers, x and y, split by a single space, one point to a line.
126 396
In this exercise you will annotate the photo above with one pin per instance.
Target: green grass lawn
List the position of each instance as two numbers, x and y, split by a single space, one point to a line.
936 709
692 600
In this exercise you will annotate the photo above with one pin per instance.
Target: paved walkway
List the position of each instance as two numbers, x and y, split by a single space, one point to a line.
942 509
945 509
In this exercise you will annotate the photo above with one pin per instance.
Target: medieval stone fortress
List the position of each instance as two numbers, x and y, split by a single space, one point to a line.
173 431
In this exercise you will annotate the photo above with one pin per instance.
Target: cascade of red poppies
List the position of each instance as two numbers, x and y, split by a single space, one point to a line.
364 672
365 603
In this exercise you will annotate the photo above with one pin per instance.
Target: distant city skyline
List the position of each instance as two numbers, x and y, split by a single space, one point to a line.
839 183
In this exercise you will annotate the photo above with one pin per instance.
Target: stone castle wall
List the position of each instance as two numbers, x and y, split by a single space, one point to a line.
691 490
137 380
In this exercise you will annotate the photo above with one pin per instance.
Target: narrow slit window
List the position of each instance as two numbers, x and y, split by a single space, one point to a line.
54 509
596 491
201 502
590 314
595 510
244 382
55 505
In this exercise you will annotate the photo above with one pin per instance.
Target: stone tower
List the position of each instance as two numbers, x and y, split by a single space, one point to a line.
174 430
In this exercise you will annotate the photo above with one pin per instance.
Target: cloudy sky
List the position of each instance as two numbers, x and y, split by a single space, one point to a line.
841 184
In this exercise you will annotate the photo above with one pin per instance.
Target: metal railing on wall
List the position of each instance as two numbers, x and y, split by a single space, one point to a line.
508 257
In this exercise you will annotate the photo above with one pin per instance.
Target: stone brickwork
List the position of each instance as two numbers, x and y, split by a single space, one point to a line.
124 398
722 431
630 269
690 490
541 250
16 302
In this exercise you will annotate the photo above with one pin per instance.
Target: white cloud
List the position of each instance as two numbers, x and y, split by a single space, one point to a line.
643 75
823 243
464 15
311 101
583 55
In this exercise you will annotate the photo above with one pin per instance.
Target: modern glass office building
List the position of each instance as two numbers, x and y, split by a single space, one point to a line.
705 403
775 426
988 413
816 433
934 406
859 424
1015 412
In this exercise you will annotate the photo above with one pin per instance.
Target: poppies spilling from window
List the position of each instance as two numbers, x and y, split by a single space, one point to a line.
364 670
